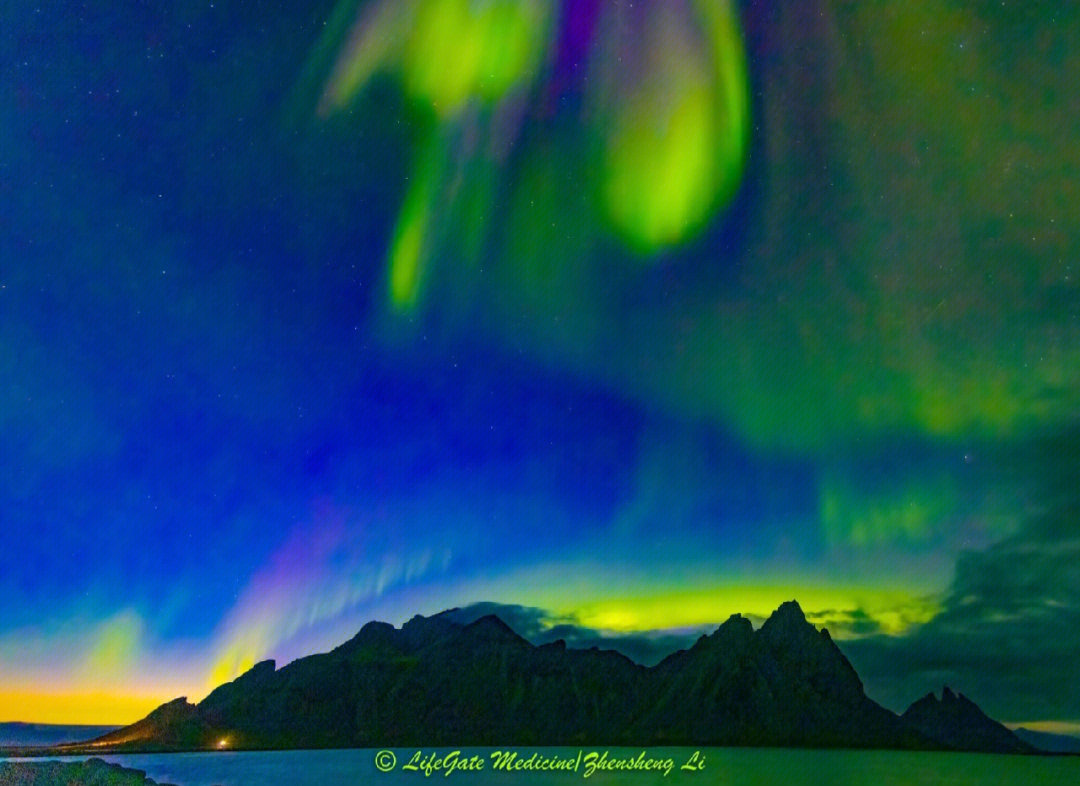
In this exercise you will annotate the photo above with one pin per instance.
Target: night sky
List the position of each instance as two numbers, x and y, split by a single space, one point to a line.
623 318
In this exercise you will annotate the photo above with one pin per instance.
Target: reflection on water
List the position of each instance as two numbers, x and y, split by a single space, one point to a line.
735 766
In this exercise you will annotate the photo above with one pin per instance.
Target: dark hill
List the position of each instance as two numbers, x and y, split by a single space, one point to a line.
177 724
956 722
438 682
1049 742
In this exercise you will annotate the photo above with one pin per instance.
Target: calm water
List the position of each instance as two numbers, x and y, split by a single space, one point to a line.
48 733
738 767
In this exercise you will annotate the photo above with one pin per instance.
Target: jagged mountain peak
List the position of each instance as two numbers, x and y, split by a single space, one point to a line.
736 623
735 631
789 609
493 626
787 628
372 634
172 709
949 700
422 631
374 630
785 684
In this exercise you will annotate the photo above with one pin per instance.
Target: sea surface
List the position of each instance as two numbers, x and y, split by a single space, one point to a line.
47 733
734 766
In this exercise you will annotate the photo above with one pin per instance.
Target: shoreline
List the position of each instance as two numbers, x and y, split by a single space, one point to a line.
37 753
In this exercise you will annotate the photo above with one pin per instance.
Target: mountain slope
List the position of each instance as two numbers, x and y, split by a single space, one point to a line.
435 681
786 684
956 722
1049 742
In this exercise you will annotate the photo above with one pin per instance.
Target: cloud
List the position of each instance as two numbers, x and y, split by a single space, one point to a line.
528 622
541 626
1009 628
648 647
848 623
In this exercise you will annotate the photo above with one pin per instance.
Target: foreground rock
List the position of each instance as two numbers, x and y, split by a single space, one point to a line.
93 772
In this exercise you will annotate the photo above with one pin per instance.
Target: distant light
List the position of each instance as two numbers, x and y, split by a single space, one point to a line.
223 743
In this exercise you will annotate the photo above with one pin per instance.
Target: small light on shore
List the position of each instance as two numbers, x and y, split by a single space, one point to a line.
223 743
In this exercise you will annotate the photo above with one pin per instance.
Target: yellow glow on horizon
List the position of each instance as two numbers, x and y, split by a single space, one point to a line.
658 597
895 611
75 707
594 600
1071 728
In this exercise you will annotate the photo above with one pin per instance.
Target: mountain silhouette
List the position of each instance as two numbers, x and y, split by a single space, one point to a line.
957 722
1048 742
436 681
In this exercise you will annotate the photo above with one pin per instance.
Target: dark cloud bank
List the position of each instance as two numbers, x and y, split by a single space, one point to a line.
1008 634
1009 631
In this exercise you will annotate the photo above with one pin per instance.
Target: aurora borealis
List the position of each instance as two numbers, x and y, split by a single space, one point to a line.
626 316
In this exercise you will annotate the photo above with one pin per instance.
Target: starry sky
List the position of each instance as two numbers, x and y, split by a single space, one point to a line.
619 318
